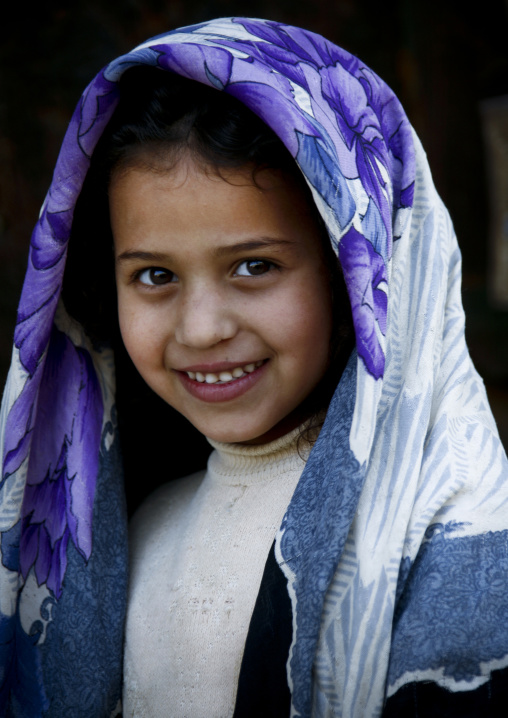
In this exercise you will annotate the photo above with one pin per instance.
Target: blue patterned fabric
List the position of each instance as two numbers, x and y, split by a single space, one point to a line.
395 543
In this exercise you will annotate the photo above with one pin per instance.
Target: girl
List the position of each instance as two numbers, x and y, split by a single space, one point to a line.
379 477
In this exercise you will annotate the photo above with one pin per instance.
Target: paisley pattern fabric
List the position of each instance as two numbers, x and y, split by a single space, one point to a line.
395 544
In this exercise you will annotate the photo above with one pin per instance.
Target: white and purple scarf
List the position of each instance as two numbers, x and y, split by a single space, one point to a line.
395 545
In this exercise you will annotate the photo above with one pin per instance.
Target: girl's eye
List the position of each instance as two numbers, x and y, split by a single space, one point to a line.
253 268
155 276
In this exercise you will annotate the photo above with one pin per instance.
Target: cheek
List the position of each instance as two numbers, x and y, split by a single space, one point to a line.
314 343
141 335
305 329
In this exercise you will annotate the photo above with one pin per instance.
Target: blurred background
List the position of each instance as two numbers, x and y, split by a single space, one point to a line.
446 60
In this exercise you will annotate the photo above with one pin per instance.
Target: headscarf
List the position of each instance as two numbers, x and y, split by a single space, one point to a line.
395 542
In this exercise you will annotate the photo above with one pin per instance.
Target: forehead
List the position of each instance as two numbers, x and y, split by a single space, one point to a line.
191 207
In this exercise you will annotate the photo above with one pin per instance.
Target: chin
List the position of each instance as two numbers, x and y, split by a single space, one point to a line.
237 436
259 434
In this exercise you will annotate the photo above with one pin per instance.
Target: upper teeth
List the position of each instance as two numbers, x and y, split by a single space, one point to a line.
224 376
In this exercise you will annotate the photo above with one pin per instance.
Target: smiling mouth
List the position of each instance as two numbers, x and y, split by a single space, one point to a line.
224 377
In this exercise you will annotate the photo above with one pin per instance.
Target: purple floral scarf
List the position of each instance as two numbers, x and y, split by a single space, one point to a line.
406 480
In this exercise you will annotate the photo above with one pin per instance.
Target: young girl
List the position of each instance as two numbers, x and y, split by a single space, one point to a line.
345 552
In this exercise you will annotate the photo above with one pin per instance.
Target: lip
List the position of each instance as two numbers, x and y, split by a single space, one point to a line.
214 393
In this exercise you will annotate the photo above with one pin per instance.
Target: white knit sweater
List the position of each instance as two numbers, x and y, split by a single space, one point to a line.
198 550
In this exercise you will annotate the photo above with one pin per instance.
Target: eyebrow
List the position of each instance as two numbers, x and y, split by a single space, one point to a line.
247 246
252 245
132 255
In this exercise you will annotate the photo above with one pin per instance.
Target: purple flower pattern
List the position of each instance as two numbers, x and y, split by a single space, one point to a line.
364 272
58 499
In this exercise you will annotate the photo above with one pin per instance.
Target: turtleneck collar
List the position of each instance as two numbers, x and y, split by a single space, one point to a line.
252 463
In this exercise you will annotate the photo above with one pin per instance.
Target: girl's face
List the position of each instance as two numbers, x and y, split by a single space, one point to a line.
223 294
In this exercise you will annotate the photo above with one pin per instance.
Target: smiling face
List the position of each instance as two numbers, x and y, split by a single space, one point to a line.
223 294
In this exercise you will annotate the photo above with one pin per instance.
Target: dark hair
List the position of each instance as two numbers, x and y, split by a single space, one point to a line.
160 118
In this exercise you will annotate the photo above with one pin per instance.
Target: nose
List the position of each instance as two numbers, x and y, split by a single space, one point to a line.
205 318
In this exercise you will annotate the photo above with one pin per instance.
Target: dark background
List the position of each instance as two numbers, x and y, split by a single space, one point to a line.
441 58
